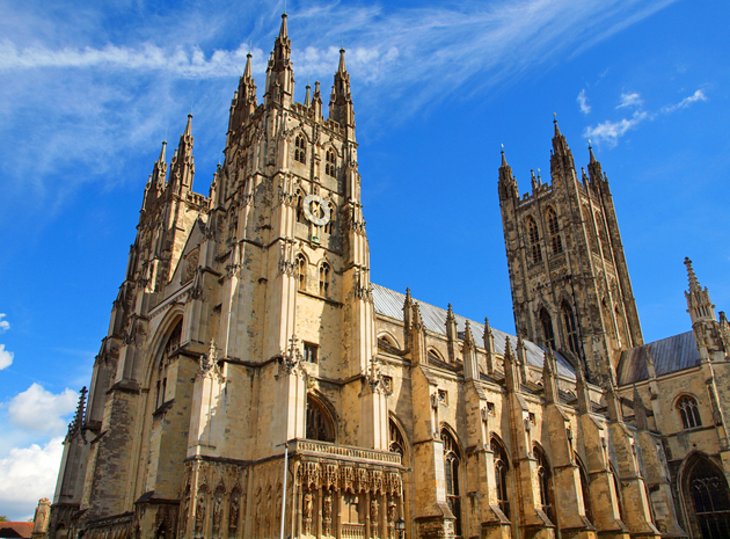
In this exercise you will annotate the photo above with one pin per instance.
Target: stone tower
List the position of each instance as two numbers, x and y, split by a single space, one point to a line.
245 324
570 284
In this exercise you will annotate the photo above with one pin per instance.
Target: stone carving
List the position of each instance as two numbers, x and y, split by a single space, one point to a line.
200 513
327 514
218 510
374 513
234 511
307 513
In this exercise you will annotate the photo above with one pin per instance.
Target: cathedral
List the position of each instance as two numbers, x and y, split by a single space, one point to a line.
254 382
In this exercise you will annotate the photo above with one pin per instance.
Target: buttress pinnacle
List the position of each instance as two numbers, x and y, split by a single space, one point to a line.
694 283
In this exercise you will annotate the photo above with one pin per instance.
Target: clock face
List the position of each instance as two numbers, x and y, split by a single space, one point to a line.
316 210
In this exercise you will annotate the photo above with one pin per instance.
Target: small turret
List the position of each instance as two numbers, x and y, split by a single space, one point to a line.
280 72
244 100
594 166
156 182
317 102
182 167
507 183
561 160
341 108
699 305
451 333
511 368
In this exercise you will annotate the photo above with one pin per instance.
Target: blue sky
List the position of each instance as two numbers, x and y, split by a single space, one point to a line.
89 92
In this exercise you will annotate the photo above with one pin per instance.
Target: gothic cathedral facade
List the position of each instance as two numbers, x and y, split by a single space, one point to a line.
254 382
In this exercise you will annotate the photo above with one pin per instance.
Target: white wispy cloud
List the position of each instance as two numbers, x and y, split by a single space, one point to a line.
97 102
582 100
610 131
630 99
696 97
4 324
27 474
6 357
38 410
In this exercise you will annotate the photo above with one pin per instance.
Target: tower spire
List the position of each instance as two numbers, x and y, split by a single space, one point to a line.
280 73
341 109
182 168
699 304
562 158
507 184
594 166
244 100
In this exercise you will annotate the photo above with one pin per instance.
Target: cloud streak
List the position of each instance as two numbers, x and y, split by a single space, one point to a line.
582 100
99 102
611 131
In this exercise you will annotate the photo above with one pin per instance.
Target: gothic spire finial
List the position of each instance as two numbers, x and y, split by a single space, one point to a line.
341 68
308 96
283 29
163 151
555 124
504 159
694 283
247 71
189 125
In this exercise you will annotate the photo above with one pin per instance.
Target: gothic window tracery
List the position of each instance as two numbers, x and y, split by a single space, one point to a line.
329 226
534 239
330 162
571 329
172 344
501 469
689 412
300 208
320 425
324 279
396 442
301 268
451 468
554 230
300 149
708 491
547 328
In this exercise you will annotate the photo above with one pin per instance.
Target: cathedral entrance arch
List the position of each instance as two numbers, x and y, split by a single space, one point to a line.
706 498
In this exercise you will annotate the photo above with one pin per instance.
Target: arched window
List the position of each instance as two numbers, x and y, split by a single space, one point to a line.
300 208
300 149
501 469
329 226
571 328
554 230
301 267
330 162
324 279
585 489
451 469
171 346
320 425
547 328
689 412
396 442
707 489
544 476
534 239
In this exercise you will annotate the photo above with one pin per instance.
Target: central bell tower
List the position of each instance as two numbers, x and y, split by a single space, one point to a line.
570 284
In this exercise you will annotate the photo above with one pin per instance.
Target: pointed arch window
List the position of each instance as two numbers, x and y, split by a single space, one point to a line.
571 329
171 346
533 237
330 162
300 208
556 243
710 498
451 469
301 269
547 328
689 412
329 226
320 425
324 279
300 149
501 469
396 441
544 476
